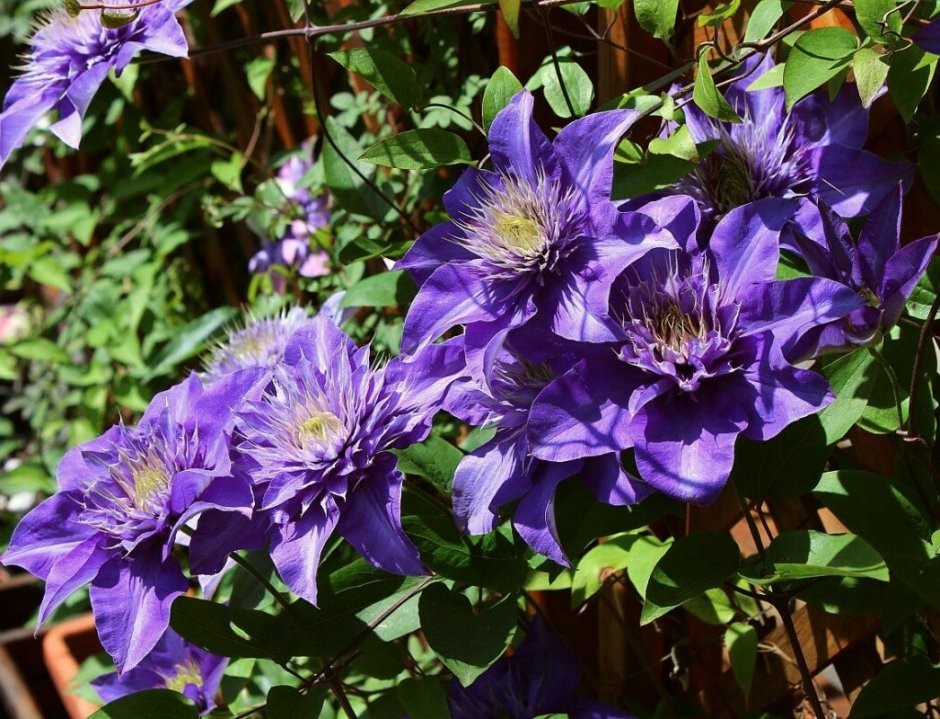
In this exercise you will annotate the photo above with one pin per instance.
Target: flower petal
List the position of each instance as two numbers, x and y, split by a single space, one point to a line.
371 522
746 243
131 598
487 478
450 297
684 446
586 149
517 146
48 533
296 549
852 182
583 413
611 484
534 518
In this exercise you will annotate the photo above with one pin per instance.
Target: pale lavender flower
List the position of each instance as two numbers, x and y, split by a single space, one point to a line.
69 58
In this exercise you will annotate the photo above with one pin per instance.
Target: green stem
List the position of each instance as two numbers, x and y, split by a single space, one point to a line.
893 378
261 579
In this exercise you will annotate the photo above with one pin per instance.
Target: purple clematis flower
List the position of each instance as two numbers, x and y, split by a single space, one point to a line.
259 344
69 58
539 678
121 500
173 664
875 266
318 446
698 361
928 38
535 235
503 469
813 152
309 213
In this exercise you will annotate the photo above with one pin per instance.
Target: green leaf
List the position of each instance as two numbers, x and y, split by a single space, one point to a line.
870 71
592 568
419 150
764 17
39 349
705 94
851 377
386 73
690 566
419 7
772 78
577 83
510 12
900 685
423 698
644 556
678 144
352 193
787 465
229 172
491 560
817 56
48 270
870 14
886 516
712 607
803 554
466 642
435 459
152 704
928 165
387 289
499 91
909 78
288 703
191 340
657 17
232 631
720 14
257 73
741 640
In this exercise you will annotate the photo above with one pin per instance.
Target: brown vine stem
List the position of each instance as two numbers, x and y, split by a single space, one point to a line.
314 31
782 604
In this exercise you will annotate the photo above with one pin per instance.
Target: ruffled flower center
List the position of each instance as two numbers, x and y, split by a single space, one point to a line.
320 428
752 161
187 674
677 327
521 227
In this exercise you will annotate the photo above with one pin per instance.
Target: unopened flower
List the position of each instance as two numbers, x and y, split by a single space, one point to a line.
503 470
173 664
121 500
813 152
535 235
874 265
309 212
318 444
699 359
69 58
540 678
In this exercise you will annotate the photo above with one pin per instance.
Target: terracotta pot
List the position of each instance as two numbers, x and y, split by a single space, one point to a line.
65 646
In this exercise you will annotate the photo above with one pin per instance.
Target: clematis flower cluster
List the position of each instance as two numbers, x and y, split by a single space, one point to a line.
288 437
652 335
69 58
307 212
